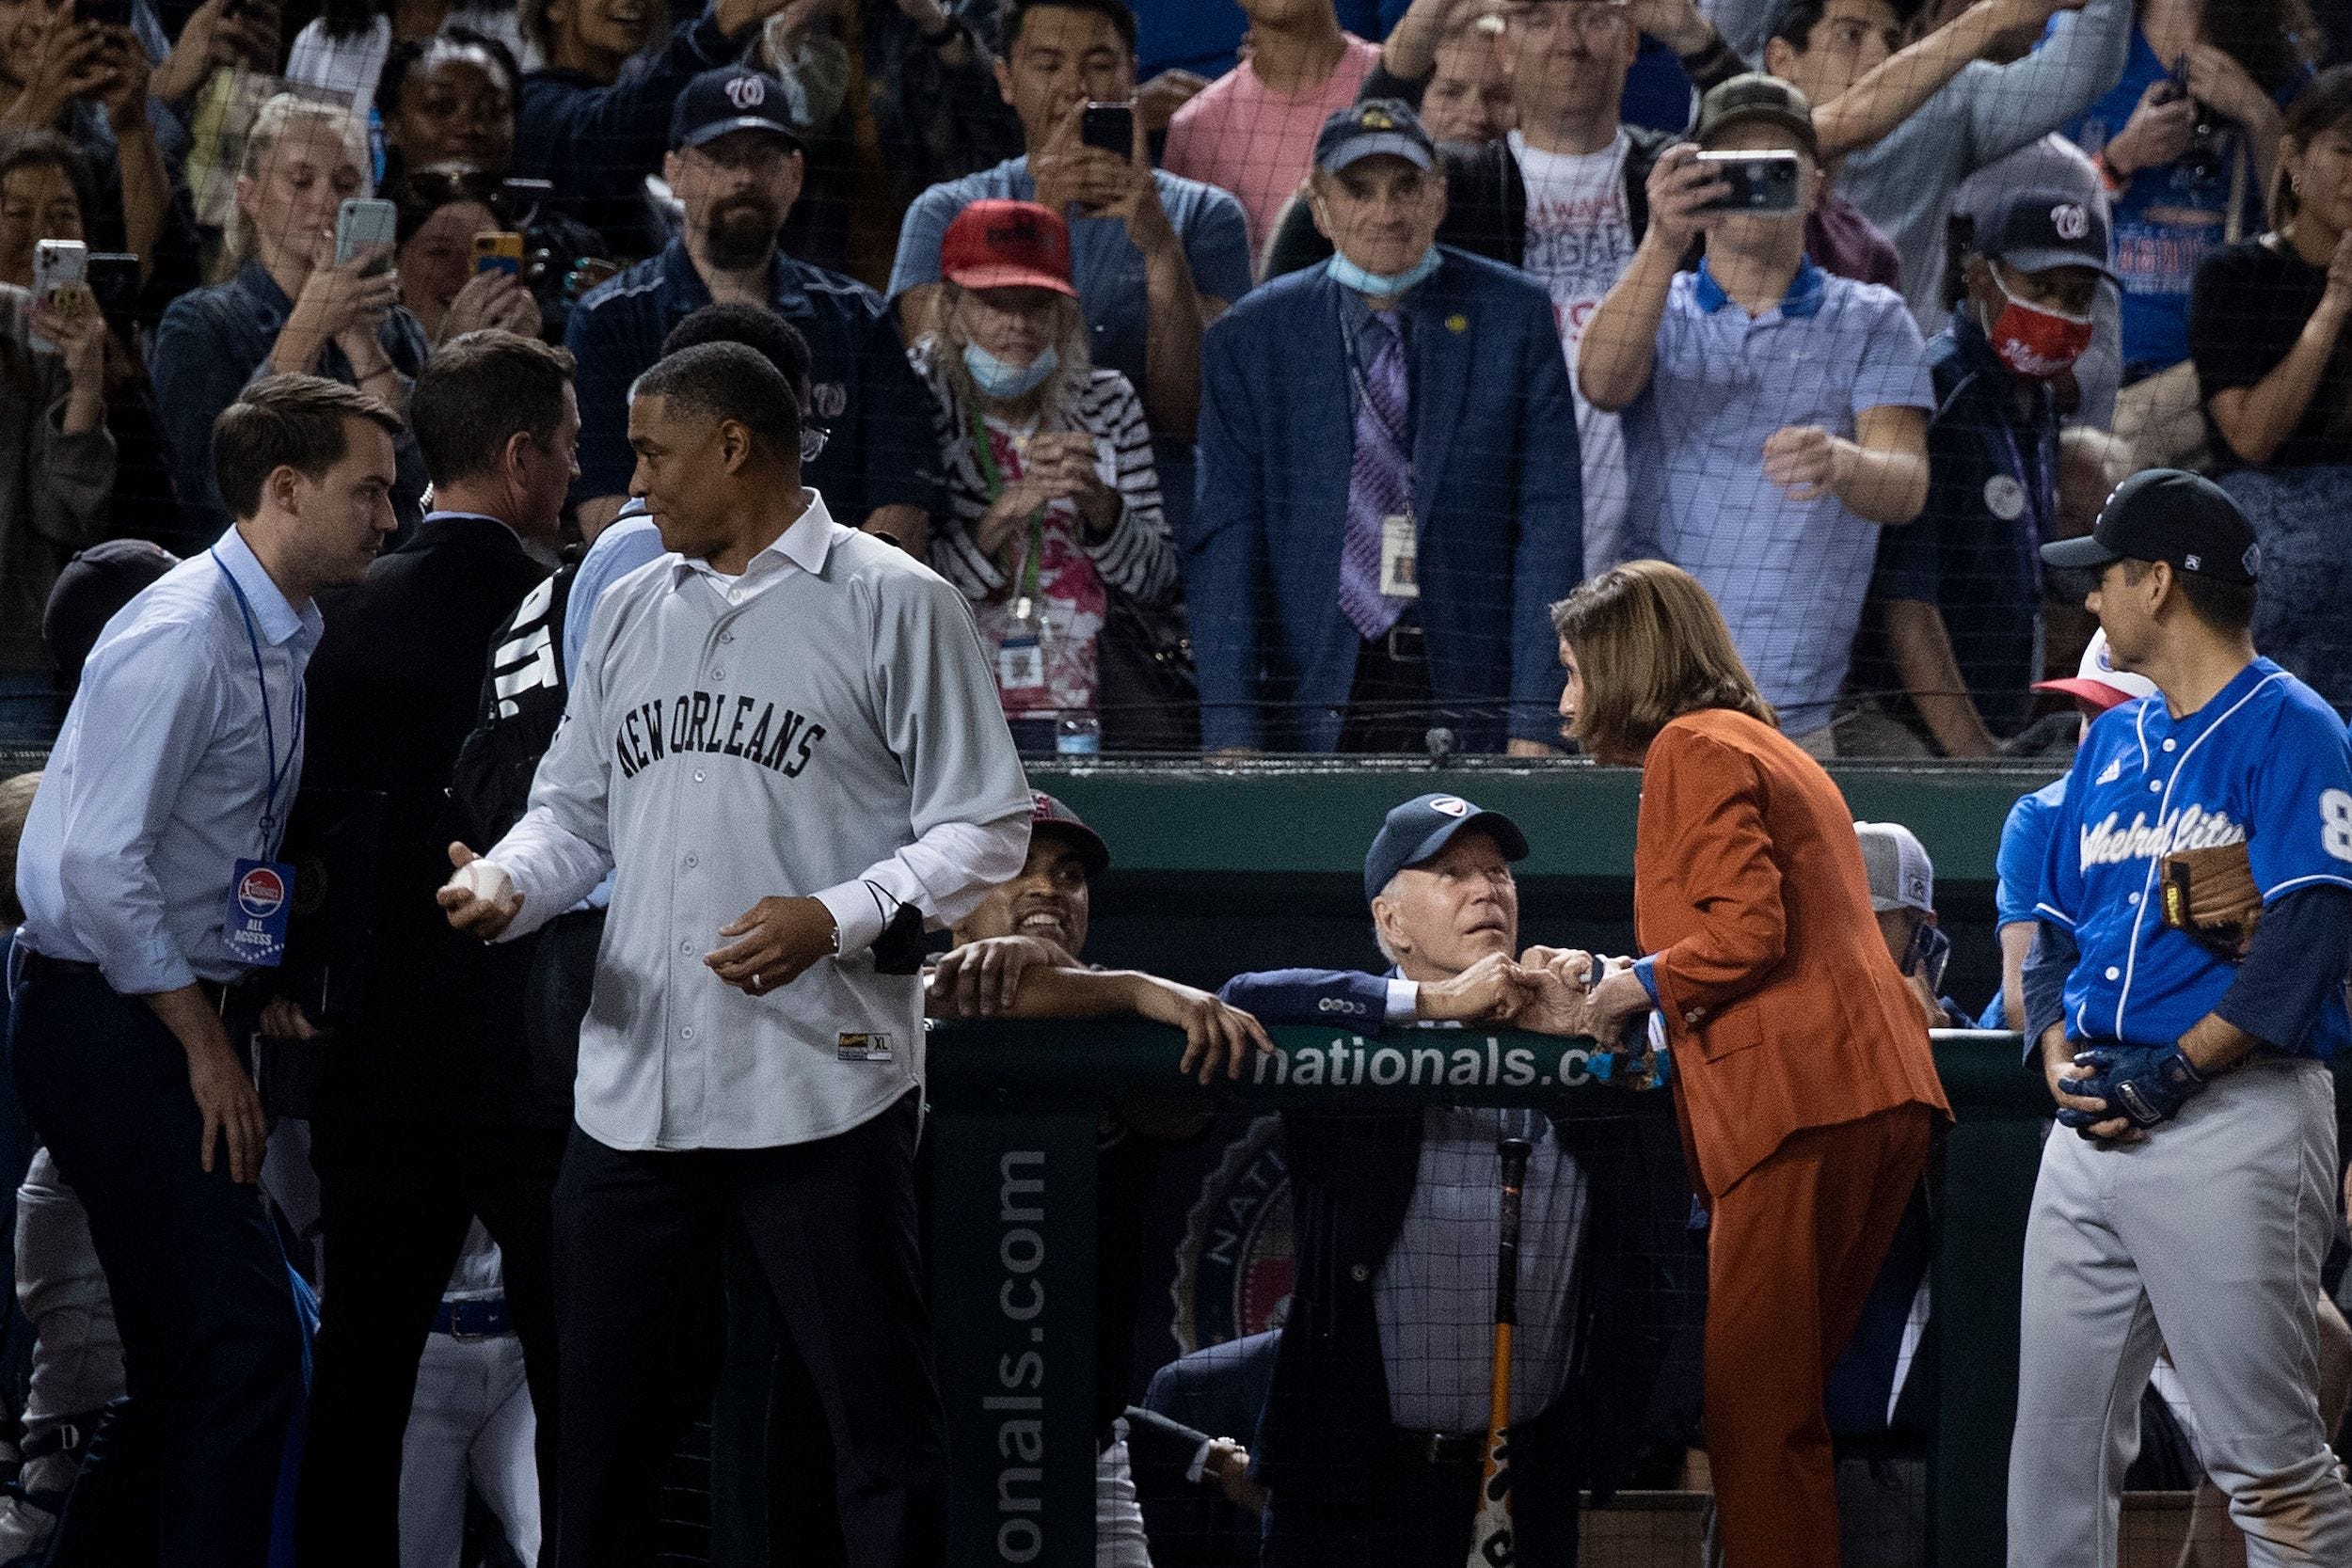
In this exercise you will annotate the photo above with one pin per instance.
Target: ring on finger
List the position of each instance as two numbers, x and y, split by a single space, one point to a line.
755 979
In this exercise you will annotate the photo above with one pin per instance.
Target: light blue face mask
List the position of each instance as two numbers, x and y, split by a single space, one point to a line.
996 379
1347 275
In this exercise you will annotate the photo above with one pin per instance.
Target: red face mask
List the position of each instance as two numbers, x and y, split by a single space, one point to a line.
2033 341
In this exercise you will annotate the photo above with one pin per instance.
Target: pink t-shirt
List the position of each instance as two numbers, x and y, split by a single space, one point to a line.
1257 143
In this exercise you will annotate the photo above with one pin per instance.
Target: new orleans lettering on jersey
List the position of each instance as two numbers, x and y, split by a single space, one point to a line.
703 723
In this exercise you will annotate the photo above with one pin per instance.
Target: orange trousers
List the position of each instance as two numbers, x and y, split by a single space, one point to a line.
1793 1249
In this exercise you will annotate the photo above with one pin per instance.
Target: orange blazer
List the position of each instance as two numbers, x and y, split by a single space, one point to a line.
1781 1004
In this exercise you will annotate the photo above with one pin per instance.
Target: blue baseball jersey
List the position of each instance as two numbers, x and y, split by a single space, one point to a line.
2267 764
2024 851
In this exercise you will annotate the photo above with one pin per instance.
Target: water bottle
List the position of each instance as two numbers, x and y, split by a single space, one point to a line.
1078 734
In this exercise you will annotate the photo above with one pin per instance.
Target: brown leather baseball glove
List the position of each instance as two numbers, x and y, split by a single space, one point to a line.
2210 894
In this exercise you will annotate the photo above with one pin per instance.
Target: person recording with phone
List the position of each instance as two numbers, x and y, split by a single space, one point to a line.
1156 258
75 68
306 297
56 472
1772 499
2187 141
447 281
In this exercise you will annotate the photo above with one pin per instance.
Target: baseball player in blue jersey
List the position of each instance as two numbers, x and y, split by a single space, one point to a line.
2185 992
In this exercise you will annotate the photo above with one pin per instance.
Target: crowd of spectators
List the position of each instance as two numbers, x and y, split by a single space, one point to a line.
1260 389
814 155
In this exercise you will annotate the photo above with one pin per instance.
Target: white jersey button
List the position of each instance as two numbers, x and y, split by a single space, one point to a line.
698 777
2171 745
692 862
2134 899
2153 784
2114 973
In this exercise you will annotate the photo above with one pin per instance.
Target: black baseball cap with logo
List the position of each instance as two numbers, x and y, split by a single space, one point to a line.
2166 515
1369 129
2037 229
733 98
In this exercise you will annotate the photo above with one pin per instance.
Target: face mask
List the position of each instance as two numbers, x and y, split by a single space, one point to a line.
1347 275
996 379
2031 340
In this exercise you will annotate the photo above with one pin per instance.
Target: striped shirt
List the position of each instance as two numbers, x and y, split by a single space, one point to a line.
1137 557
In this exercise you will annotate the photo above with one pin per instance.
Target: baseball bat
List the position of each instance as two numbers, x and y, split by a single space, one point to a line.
1491 1542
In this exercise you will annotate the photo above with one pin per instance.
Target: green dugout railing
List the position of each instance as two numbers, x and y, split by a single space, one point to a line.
1013 1268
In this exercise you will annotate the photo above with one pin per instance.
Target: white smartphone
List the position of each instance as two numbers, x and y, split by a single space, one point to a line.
56 264
363 223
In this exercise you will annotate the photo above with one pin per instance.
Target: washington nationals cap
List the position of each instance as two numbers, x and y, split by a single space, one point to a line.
2042 227
1426 824
1755 97
733 98
1369 129
88 591
1051 816
2097 681
1008 245
1901 875
2166 515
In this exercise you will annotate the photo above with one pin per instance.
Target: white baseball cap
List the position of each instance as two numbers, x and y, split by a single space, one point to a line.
2098 682
1901 875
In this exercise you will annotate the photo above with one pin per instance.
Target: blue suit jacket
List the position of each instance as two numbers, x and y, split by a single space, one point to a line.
1496 492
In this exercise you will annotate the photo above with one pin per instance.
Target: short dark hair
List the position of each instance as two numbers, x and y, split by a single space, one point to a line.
1793 22
730 381
755 326
1114 11
294 421
2227 607
409 55
48 149
477 392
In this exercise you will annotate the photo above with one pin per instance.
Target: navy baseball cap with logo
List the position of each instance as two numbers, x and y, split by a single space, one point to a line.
1051 817
2036 229
1374 128
1426 824
2166 515
733 98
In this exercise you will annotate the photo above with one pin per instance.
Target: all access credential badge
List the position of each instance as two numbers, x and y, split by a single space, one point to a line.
863 1047
261 900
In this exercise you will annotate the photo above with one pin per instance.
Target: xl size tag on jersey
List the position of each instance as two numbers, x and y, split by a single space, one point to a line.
1020 664
862 1047
1398 549
261 898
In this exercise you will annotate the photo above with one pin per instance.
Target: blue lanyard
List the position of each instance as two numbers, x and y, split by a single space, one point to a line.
277 772
2040 493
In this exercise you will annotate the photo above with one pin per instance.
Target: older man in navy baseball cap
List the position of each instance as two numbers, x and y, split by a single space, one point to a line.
1385 1356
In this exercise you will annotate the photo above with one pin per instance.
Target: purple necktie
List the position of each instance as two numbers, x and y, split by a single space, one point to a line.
1379 483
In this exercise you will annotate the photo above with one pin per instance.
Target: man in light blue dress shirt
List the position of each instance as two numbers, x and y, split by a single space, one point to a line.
165 797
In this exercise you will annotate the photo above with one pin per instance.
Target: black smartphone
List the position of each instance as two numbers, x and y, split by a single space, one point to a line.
106 14
113 278
1110 127
1762 184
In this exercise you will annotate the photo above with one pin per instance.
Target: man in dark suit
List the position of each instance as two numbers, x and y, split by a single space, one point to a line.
1198 1512
1377 1415
430 1108
1389 493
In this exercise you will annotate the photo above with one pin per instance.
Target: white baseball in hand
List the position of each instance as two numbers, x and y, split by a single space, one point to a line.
486 879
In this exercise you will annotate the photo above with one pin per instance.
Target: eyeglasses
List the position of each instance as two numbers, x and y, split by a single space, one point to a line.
1592 18
813 440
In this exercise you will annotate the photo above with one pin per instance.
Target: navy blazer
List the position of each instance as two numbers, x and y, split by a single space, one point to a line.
1496 493
1639 1284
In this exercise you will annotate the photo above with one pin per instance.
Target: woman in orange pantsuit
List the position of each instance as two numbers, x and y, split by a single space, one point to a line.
1804 1081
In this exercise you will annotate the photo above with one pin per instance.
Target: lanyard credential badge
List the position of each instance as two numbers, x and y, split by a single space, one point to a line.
260 897
261 892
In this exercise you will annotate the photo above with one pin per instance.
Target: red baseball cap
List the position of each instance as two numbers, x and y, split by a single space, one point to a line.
1008 245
